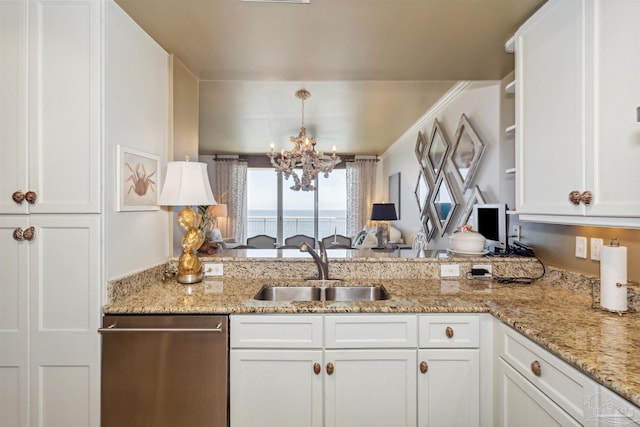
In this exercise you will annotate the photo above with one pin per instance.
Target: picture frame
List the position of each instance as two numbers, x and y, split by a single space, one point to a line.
394 191
137 180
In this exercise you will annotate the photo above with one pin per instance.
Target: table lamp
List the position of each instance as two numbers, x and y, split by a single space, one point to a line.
383 213
187 184
215 212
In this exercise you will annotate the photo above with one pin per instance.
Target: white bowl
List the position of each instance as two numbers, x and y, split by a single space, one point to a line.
467 242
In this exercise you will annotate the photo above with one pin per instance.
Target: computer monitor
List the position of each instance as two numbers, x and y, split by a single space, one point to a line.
490 220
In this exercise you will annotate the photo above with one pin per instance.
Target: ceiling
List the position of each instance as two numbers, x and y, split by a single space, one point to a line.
373 67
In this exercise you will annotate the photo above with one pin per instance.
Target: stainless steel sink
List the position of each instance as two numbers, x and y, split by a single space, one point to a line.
356 293
317 293
289 293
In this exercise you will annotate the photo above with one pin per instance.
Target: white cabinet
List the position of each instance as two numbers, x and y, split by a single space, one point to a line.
521 404
532 381
49 294
449 364
576 103
361 370
613 410
50 106
50 272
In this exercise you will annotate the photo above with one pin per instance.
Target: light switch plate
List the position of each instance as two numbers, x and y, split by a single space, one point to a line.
581 247
449 270
595 249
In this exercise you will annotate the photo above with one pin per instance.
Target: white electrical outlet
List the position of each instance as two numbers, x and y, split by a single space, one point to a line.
211 269
449 270
515 232
595 249
581 247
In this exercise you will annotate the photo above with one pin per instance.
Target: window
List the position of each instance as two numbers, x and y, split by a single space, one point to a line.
317 213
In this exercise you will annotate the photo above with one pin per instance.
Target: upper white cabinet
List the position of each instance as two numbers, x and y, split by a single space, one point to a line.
577 135
50 106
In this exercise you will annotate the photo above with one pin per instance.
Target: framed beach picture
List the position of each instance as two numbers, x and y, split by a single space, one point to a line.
138 177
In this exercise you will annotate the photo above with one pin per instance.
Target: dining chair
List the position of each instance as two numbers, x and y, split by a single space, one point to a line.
295 241
262 241
336 241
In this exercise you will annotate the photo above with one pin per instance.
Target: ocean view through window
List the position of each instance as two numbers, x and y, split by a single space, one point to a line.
298 213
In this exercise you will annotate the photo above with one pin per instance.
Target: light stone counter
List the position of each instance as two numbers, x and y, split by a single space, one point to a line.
555 312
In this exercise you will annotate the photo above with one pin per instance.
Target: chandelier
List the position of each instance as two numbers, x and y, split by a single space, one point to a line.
304 156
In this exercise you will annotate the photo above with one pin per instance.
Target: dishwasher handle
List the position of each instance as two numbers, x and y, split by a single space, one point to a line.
113 328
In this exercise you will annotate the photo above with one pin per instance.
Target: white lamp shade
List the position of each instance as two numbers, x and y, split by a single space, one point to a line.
186 184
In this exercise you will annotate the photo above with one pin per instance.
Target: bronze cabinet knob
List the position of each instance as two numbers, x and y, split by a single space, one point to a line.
29 233
424 367
329 368
449 332
18 234
574 197
18 197
586 198
535 368
31 197
316 368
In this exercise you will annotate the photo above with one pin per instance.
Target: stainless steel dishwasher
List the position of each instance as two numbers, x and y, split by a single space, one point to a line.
164 371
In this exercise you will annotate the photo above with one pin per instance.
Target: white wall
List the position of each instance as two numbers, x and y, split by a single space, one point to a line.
136 115
480 102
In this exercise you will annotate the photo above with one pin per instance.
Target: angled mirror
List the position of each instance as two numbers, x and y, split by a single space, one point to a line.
443 202
436 151
421 143
428 225
422 192
475 197
467 152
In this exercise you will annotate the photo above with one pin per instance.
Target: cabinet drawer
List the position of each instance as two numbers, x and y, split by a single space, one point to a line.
370 331
449 331
565 385
274 331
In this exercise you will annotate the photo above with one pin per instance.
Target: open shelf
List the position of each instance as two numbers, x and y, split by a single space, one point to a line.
510 129
510 170
510 45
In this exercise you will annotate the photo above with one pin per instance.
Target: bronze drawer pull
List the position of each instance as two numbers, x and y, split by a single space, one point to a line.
424 367
329 368
449 332
535 368
316 368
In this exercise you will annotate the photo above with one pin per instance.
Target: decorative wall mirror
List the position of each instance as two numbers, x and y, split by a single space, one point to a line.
421 143
443 202
428 225
436 151
467 152
422 192
475 197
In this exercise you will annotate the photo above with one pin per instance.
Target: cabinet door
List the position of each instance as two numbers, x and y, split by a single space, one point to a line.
613 410
449 390
549 109
613 165
13 104
373 388
275 388
520 404
13 323
64 316
64 105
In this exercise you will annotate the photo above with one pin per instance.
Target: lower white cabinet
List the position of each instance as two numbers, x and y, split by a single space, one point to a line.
276 388
361 372
532 382
370 388
521 404
448 387
49 315
449 370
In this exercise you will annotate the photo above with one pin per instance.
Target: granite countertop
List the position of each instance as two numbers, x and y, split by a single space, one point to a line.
602 345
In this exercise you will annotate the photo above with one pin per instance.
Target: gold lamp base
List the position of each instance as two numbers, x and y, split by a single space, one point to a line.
189 265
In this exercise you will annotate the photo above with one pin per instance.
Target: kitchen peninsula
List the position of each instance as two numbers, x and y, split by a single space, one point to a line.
601 346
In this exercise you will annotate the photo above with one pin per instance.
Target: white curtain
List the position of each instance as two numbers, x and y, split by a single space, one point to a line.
361 190
229 185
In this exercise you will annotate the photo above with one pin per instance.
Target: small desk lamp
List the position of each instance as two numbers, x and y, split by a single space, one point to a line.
187 184
383 213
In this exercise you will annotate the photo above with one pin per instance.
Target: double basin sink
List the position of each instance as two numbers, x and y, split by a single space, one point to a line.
322 293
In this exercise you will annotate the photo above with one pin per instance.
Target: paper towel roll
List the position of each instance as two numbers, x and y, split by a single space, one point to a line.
613 269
